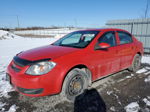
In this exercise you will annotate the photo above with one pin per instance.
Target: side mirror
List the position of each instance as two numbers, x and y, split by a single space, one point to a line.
102 46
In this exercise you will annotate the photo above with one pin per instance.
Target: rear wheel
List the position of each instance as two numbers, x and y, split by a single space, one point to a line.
74 84
136 63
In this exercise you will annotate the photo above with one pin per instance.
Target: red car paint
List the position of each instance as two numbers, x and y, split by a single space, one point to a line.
99 62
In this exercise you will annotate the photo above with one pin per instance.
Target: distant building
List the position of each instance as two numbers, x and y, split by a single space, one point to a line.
140 28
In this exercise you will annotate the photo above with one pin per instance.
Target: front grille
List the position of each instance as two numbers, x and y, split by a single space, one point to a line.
15 68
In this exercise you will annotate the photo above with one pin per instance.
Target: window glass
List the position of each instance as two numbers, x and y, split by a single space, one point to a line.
108 38
124 38
88 37
79 39
72 39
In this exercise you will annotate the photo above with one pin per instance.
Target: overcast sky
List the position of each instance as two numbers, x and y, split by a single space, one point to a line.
86 13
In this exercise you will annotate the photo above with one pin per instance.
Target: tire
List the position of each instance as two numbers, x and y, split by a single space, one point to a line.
74 84
136 64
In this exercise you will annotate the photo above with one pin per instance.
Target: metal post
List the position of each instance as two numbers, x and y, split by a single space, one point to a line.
132 27
17 20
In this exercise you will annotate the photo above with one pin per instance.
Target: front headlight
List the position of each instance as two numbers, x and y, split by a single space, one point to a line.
40 68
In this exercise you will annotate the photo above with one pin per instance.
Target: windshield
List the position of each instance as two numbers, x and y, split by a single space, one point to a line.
79 39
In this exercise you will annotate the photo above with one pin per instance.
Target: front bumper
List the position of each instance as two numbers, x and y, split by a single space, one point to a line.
43 85
30 91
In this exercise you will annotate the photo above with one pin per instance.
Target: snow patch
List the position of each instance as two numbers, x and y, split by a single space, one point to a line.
147 79
132 107
5 87
13 108
147 102
2 104
7 35
128 77
3 33
147 73
145 59
112 109
109 92
141 70
120 80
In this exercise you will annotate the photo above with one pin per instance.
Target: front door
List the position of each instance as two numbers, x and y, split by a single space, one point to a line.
107 61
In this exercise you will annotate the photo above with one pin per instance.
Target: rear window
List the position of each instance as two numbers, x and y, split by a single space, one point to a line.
124 37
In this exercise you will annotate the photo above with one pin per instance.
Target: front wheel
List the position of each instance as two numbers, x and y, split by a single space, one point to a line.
74 84
136 63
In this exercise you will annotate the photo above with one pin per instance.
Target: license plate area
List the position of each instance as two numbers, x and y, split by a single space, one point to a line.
8 78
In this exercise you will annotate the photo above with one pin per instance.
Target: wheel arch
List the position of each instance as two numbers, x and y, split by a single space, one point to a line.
132 62
139 53
82 67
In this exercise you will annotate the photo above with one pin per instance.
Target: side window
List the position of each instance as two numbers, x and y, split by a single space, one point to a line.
109 38
124 37
88 37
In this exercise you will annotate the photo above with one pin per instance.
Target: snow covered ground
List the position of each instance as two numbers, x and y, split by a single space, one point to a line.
10 45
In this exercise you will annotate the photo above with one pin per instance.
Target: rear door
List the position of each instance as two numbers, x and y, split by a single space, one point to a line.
126 48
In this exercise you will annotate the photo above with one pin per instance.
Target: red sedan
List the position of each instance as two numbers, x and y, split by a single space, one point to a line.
71 64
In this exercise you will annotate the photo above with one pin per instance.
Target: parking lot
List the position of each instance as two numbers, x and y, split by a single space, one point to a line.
111 94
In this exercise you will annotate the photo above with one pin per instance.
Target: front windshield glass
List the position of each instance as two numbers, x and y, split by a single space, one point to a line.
79 39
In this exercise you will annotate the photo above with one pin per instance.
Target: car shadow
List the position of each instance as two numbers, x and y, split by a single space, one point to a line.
89 101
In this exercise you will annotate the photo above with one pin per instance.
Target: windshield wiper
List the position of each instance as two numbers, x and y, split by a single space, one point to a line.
74 46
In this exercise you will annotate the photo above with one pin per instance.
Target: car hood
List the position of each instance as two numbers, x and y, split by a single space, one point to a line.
49 51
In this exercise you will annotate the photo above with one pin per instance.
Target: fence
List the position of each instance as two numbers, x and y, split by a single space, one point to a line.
57 33
140 28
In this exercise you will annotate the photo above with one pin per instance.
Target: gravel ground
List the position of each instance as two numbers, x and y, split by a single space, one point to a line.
110 94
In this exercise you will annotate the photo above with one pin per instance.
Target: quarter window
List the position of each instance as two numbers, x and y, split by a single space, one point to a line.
124 38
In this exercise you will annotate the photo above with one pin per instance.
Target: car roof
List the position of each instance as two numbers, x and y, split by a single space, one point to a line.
104 29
